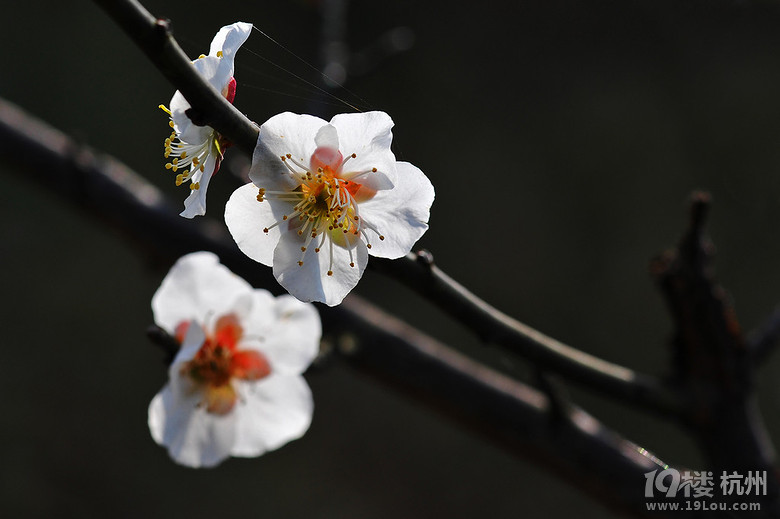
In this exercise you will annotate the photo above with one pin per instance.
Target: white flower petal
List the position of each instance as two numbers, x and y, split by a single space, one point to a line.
294 340
185 130
229 38
193 437
275 410
259 320
195 204
193 340
327 137
310 282
197 288
368 135
375 180
400 214
177 419
282 134
217 71
209 68
245 218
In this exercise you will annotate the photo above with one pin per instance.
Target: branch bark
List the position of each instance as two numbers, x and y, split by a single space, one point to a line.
154 38
712 362
763 341
523 420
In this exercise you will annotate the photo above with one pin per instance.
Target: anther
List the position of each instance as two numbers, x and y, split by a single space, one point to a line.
330 272
300 263
303 249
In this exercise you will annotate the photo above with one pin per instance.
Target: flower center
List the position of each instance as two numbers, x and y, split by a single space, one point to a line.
192 156
324 203
185 155
219 361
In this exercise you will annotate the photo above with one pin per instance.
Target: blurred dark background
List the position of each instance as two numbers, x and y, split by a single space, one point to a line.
563 139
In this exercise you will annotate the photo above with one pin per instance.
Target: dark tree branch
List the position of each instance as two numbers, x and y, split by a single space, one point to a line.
521 419
154 37
418 272
712 362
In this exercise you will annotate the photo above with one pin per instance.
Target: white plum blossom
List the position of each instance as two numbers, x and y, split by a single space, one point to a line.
235 387
324 196
197 150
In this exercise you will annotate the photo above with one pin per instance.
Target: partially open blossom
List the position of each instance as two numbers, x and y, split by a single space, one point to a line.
324 196
235 387
196 151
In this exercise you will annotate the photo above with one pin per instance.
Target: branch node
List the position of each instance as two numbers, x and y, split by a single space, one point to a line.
425 258
163 26
560 403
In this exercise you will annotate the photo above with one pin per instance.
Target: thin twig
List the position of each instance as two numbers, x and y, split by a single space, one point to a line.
418 272
154 37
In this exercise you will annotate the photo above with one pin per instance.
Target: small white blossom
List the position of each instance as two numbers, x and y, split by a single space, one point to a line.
235 386
198 150
324 197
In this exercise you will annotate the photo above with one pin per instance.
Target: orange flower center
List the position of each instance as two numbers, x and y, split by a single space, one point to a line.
219 360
